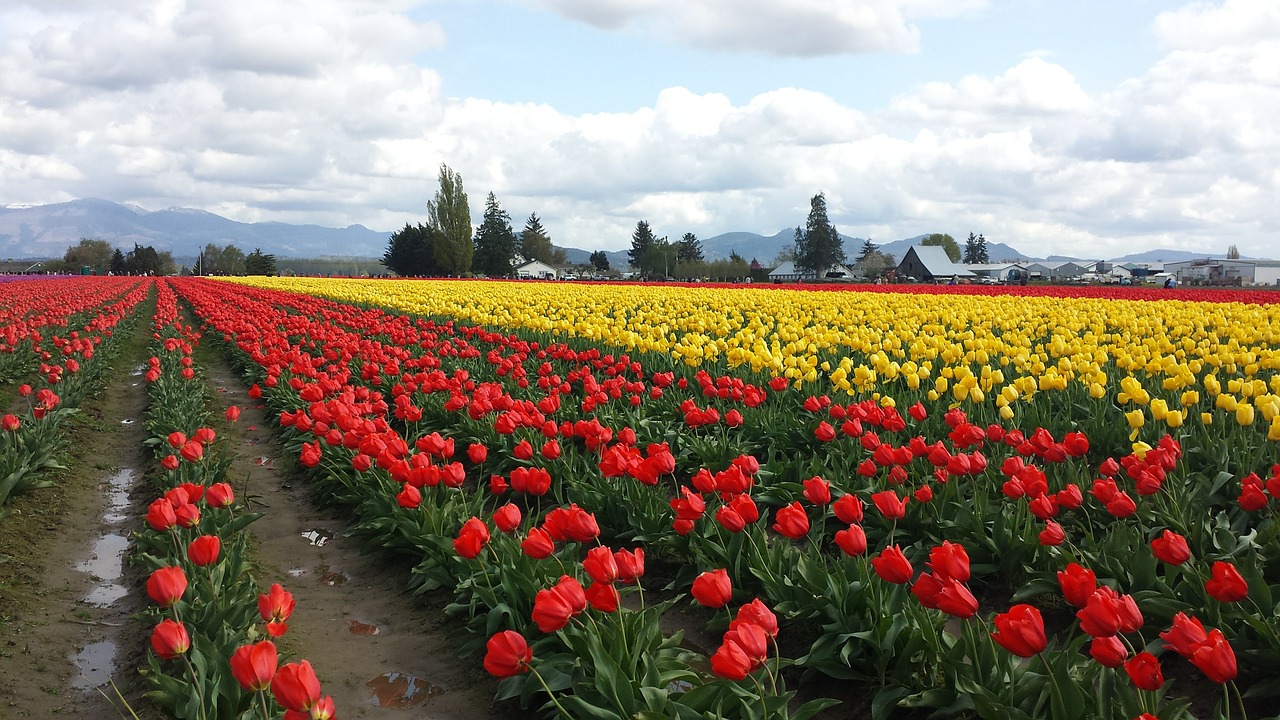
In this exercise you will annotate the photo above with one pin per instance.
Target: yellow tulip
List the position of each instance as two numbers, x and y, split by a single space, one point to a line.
1244 414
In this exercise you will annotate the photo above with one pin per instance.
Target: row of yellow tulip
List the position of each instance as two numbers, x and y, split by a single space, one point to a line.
1162 356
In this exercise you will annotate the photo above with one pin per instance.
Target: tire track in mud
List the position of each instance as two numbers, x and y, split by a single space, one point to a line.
378 651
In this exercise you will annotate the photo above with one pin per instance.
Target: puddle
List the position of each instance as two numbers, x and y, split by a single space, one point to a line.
139 370
128 421
355 627
118 497
105 564
318 536
94 664
298 572
251 441
399 691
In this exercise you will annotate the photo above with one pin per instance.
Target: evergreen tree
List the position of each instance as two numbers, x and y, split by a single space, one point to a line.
449 217
495 241
946 242
641 242
971 249
118 263
600 261
869 249
820 246
535 243
260 263
411 252
689 249
983 255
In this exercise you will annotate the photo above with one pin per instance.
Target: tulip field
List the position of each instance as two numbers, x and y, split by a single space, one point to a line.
966 502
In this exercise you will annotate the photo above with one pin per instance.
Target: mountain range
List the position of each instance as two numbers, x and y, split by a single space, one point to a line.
46 231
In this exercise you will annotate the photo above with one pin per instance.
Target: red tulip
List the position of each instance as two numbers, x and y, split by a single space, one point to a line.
166 585
758 614
1144 671
730 519
689 505
169 639
177 439
889 505
507 654
555 606
1020 631
1078 584
477 453
1171 548
817 491
950 560
603 597
744 642
409 497
233 413
600 565
160 515
1108 651
538 544
472 538
507 518
296 687
192 451
188 515
523 450
10 423
1185 635
1215 658
848 509
892 565
1100 616
1052 535
1226 585
630 564
220 495
825 432
276 605
712 588
852 540
253 666
204 550
791 521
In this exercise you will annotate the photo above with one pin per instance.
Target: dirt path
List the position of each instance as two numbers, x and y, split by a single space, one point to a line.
376 650
65 593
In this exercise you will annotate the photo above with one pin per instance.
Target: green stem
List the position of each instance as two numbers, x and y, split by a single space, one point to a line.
550 694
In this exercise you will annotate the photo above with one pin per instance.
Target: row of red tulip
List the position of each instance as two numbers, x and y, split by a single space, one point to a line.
209 618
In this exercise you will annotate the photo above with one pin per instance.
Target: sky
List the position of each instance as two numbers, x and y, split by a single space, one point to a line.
1091 128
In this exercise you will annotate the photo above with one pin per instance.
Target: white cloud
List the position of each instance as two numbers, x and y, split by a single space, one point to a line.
776 27
266 112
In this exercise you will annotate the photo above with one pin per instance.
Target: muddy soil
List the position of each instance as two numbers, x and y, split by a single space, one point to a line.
378 651
65 593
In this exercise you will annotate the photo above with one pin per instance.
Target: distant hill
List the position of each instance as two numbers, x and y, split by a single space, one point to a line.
49 230
1164 255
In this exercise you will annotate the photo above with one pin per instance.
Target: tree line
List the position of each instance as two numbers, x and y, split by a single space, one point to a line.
99 257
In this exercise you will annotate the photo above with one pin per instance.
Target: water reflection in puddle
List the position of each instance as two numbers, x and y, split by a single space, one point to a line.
355 627
94 663
128 421
398 690
318 536
105 563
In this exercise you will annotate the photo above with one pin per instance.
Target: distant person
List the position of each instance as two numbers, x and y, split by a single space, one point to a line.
1168 283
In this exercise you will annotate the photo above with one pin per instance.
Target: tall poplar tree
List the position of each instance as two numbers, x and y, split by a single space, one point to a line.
449 218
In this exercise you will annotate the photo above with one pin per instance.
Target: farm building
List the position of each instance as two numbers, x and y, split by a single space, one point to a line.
788 272
1223 271
928 263
537 270
1001 272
